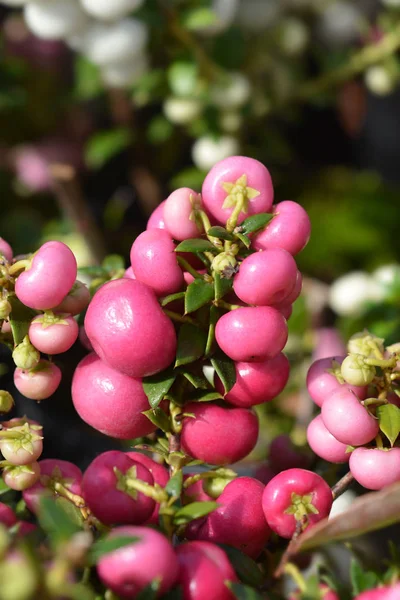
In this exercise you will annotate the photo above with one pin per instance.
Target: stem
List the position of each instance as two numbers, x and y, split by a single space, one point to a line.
159 495
289 550
19 266
379 441
382 363
199 477
179 318
374 401
232 221
188 267
65 493
342 485
227 305
295 574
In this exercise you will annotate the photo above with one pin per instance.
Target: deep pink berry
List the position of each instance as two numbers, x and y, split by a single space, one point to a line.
257 382
347 419
125 310
179 214
110 401
219 435
53 473
321 382
204 569
252 334
284 455
381 593
105 487
154 262
160 475
53 334
195 492
128 570
295 495
156 220
75 301
40 382
49 278
7 515
289 229
6 250
234 179
374 468
324 444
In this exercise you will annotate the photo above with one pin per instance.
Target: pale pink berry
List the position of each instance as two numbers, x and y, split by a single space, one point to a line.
53 473
75 301
21 477
252 334
234 178
40 382
321 382
110 401
49 278
22 446
129 274
374 468
156 220
179 214
381 593
324 444
53 334
289 229
154 262
123 311
6 250
328 343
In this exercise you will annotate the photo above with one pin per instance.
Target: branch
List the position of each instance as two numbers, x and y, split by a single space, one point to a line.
342 485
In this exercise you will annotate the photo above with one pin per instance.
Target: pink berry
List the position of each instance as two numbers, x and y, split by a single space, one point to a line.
195 492
53 334
128 570
381 593
154 262
75 301
239 521
129 274
218 435
156 220
53 472
293 495
204 569
321 383
188 277
49 278
284 455
21 477
324 444
232 178
285 309
84 340
266 278
7 515
179 210
347 419
25 528
102 490
124 310
6 250
264 473
38 383
159 473
257 382
110 401
252 334
328 343
289 229
373 468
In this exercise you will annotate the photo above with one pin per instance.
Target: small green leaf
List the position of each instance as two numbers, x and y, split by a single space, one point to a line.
221 233
222 286
113 262
214 316
198 293
158 417
199 18
225 368
255 222
109 544
94 271
193 511
244 239
205 396
103 145
243 592
20 318
174 485
196 245
198 380
361 580
71 510
171 298
191 344
157 386
389 421
246 568
55 521
88 83
182 77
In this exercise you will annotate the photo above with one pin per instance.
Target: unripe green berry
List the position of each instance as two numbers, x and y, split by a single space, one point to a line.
5 309
355 372
216 485
225 264
25 355
6 401
364 343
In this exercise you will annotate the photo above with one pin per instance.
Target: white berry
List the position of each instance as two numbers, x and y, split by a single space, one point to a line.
106 44
110 10
56 19
181 110
122 75
207 151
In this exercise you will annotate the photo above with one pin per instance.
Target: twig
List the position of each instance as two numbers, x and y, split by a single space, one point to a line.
342 485
286 556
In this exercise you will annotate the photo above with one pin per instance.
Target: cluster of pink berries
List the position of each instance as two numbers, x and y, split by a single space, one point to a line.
358 396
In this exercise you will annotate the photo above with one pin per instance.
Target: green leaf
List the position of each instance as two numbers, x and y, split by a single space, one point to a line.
221 233
88 83
361 580
158 417
191 344
109 544
243 592
103 145
389 421
198 380
246 568
71 510
196 245
55 521
193 511
198 293
174 485
222 286
244 239
255 222
150 591
174 594
199 18
225 368
20 318
214 316
182 77
157 386
159 130
93 271
205 396
171 298
113 262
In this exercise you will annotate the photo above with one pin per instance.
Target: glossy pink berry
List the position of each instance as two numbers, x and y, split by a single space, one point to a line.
284 455
381 593
179 214
295 495
75 301
374 468
289 229
347 419
159 473
156 220
321 382
252 334
105 487
219 435
257 382
53 473
154 262
324 444
21 477
128 570
110 401
204 569
49 278
124 310
239 521
53 334
6 250
7 515
266 278
237 179
40 382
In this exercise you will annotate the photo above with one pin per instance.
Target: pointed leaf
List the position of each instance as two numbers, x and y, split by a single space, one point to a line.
205 396
158 417
174 485
214 316
225 368
246 568
198 380
191 344
109 544
255 222
361 580
193 511
222 286
171 298
157 386
55 521
243 592
244 239
20 318
198 293
389 421
196 245
221 233
252 193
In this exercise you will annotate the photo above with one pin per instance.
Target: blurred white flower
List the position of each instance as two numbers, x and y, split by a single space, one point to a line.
181 110
110 43
257 15
379 80
349 294
206 151
55 20
109 10
121 75
294 36
232 92
340 23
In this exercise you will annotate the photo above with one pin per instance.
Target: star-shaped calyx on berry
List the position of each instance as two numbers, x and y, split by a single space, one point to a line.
195 215
239 193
